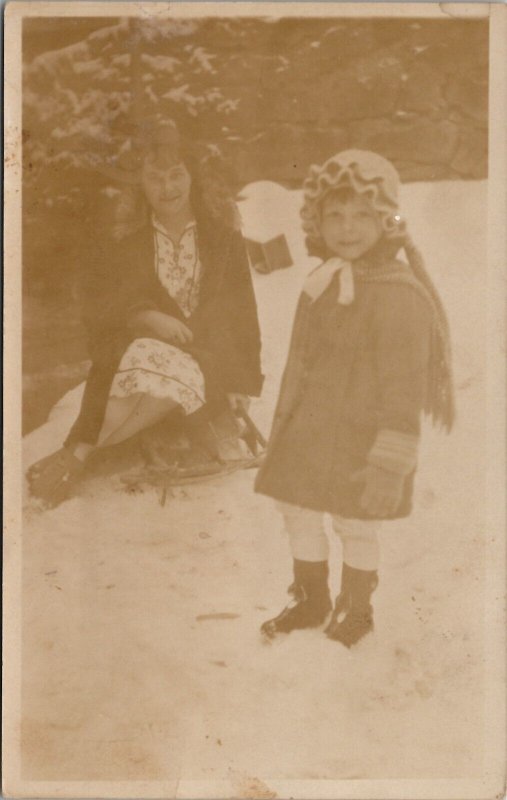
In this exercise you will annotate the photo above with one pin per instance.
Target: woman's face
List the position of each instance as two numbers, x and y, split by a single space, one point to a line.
349 227
167 187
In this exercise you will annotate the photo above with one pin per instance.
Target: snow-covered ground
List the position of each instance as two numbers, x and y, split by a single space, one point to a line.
142 658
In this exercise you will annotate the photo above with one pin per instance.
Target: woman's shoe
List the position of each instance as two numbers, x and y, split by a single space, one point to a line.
52 478
310 604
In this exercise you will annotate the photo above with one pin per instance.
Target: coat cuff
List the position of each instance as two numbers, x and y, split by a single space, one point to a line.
136 308
394 451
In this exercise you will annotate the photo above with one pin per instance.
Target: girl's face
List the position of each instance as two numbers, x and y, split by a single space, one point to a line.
349 227
167 187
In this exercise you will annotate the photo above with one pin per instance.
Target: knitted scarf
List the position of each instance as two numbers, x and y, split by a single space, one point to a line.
379 266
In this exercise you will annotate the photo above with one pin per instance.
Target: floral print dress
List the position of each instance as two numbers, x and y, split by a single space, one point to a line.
157 368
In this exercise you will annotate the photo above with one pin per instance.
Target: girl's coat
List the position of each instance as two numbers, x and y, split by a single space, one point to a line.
351 372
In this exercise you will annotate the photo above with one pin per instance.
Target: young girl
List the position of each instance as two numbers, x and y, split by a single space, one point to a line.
171 317
369 352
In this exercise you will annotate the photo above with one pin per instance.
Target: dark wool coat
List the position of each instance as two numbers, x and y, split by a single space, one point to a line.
351 372
120 278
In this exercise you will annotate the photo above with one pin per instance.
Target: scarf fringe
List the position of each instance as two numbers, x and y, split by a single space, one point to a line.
440 401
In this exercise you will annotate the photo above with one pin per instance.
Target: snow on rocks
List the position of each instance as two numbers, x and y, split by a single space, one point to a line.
142 655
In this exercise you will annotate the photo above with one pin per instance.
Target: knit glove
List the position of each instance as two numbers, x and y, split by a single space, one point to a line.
382 493
392 457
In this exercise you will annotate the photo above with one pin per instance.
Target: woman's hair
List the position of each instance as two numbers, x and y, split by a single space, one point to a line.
210 197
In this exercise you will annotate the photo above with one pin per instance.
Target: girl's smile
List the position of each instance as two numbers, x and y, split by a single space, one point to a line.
349 225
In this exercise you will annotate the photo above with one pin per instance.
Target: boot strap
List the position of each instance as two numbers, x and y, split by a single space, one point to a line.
297 594
341 604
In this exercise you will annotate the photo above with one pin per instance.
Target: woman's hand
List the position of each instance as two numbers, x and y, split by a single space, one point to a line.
383 491
241 401
165 327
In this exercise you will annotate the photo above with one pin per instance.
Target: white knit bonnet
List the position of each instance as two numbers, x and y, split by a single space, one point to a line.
367 174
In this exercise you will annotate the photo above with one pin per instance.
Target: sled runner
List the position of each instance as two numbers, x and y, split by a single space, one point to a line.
178 475
183 476
187 470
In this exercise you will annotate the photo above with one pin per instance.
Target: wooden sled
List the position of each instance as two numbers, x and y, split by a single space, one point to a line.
184 476
181 474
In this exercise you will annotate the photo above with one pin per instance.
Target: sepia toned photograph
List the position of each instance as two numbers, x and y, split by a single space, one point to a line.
253 544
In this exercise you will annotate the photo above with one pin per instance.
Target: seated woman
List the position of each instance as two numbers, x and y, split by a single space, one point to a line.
171 317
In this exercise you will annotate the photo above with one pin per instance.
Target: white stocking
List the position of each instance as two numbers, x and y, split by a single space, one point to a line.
127 416
359 540
307 538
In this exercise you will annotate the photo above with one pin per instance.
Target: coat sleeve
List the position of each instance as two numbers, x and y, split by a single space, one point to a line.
110 291
402 336
240 308
97 286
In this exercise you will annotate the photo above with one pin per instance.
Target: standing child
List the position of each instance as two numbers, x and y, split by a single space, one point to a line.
369 352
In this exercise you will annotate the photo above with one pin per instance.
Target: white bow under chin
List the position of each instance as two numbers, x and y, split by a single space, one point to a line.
319 279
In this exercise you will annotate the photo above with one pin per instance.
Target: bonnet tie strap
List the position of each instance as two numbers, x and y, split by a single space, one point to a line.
320 278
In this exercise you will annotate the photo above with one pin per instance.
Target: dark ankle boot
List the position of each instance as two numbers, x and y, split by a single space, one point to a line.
310 603
358 586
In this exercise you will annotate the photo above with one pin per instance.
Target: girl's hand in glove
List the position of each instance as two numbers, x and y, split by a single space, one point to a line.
165 327
383 491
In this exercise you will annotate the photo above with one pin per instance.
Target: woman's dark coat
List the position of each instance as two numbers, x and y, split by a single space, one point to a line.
119 279
351 371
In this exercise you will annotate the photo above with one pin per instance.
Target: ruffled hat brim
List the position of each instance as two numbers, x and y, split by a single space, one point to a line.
366 173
